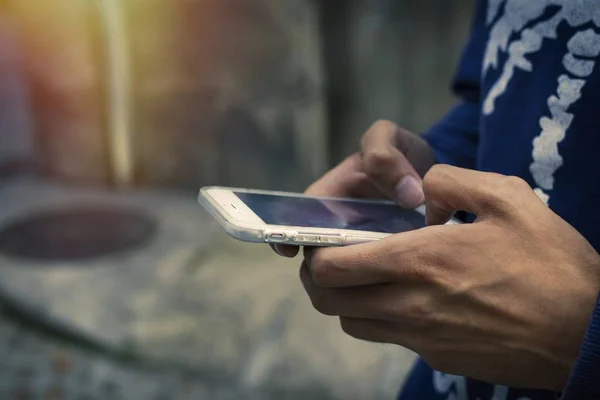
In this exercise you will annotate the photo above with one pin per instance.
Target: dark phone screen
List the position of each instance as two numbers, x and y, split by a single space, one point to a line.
334 214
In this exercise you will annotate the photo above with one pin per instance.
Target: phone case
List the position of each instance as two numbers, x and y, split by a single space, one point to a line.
291 235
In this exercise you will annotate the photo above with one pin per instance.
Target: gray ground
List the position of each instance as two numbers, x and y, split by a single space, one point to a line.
193 314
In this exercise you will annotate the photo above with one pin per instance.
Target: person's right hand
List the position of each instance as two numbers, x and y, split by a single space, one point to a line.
390 165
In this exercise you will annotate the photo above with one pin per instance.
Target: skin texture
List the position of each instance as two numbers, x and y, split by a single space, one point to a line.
506 299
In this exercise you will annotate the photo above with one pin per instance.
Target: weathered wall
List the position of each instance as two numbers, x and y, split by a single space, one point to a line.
261 93
390 59
224 92
228 92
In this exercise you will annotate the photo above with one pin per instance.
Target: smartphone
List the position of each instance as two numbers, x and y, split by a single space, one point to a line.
296 219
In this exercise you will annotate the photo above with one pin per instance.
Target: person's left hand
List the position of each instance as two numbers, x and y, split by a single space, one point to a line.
506 299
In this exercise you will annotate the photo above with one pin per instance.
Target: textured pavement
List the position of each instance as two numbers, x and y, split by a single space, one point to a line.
35 366
193 314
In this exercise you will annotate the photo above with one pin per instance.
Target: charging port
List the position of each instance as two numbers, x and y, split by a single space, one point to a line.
277 237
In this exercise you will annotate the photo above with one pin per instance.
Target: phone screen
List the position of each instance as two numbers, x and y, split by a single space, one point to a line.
334 214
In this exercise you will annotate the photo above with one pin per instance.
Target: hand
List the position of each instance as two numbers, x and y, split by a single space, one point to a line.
506 299
390 165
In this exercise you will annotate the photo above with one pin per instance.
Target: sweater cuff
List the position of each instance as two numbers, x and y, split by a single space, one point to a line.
584 383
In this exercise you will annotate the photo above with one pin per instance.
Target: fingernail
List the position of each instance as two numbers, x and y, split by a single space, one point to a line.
409 192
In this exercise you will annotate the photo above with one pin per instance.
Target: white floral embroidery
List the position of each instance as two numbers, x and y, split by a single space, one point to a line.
454 386
514 34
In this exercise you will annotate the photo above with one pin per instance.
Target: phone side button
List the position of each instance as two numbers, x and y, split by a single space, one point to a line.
304 238
331 239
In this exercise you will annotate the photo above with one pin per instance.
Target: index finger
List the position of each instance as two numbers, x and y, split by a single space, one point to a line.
384 149
383 261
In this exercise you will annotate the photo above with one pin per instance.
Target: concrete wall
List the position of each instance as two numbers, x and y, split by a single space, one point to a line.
261 93
390 59
228 93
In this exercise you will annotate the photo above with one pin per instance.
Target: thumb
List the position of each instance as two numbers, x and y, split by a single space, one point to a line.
387 166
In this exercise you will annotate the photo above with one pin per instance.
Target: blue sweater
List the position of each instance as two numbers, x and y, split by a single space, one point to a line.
529 92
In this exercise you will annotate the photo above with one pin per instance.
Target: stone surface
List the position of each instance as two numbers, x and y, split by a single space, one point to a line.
51 287
195 300
36 366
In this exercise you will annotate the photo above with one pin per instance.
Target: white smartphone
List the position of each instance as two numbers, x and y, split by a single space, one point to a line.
296 219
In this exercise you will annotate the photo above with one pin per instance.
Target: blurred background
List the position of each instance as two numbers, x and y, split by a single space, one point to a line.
114 283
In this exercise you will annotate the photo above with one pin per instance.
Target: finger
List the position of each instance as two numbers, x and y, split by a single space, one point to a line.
377 331
449 189
345 180
388 260
387 166
374 301
409 305
285 250
413 257
336 267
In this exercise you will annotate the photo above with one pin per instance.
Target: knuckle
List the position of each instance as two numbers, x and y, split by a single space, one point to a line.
515 183
378 161
419 310
382 125
442 169
437 175
502 191
378 128
502 184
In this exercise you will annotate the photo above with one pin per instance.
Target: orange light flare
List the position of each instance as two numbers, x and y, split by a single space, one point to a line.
77 49
147 56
